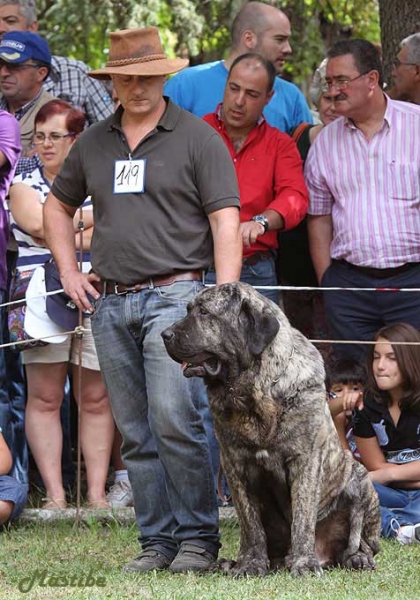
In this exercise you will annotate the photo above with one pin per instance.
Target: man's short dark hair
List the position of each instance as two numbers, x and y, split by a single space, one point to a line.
259 60
346 371
364 53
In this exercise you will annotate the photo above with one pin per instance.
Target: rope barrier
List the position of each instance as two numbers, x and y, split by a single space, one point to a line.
79 331
22 300
267 287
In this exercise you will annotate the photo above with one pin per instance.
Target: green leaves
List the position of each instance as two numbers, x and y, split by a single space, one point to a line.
200 29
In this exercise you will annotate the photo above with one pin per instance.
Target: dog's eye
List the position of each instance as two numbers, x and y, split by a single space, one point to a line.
203 311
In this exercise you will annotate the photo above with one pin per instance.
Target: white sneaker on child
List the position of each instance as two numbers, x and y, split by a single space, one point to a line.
120 494
409 534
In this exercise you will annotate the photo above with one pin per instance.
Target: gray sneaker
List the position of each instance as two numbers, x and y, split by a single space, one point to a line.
120 494
192 558
149 560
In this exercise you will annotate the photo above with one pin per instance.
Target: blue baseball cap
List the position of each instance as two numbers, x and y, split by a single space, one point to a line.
19 46
60 308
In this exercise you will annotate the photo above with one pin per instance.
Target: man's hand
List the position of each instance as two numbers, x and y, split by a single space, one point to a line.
249 231
77 285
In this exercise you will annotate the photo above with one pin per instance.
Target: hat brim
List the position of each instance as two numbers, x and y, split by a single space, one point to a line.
13 57
152 68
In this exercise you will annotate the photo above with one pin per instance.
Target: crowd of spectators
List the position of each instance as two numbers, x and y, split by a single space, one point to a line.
333 204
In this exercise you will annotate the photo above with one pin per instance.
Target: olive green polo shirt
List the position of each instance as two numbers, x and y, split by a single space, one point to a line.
188 174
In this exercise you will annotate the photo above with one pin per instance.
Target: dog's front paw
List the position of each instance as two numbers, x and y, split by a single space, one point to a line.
223 565
303 565
359 560
250 567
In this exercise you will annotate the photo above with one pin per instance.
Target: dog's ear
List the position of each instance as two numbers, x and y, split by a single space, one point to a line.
260 327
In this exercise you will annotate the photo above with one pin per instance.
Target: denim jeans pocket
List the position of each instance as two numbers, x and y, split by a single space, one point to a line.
180 292
96 307
263 269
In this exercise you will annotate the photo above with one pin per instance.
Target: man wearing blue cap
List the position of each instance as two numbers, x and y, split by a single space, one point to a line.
68 78
25 61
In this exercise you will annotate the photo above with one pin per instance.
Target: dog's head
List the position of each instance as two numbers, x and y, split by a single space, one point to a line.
226 329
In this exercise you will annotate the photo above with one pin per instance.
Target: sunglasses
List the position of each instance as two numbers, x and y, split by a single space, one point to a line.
16 67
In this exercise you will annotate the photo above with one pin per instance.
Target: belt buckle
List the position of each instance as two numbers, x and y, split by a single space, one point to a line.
117 293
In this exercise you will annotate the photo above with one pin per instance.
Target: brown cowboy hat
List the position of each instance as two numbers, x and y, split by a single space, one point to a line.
138 52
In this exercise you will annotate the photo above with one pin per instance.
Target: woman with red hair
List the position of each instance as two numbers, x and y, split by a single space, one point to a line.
57 125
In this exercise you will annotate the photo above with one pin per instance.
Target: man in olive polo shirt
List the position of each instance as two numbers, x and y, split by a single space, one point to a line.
166 206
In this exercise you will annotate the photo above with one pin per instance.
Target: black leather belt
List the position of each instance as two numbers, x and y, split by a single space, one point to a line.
249 261
113 287
380 273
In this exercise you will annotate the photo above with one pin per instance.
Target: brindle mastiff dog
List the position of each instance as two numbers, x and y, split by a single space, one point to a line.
301 500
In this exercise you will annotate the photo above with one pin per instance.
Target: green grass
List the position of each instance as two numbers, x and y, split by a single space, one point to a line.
66 551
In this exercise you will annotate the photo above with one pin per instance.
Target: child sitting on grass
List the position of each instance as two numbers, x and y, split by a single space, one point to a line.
13 494
387 429
346 379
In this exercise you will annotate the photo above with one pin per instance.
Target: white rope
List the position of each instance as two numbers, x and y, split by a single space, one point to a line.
333 289
77 331
22 300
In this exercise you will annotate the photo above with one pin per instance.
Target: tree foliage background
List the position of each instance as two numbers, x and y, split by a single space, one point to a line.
199 29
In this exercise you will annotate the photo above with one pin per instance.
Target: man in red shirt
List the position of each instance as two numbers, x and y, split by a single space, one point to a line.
268 167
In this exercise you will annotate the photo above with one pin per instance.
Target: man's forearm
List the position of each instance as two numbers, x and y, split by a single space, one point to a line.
227 242
59 233
320 233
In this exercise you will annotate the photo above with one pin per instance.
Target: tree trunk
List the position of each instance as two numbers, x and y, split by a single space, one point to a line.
398 20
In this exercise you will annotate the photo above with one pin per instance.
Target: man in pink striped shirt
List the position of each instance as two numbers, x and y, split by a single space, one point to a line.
363 175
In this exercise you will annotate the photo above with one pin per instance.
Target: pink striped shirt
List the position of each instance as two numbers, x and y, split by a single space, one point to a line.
371 189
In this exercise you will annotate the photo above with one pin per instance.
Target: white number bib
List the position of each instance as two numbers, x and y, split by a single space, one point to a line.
129 176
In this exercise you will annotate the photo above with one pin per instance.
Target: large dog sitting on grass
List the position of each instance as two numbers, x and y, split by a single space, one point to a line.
301 500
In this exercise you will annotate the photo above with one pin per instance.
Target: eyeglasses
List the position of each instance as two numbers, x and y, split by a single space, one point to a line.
16 67
341 83
397 63
54 137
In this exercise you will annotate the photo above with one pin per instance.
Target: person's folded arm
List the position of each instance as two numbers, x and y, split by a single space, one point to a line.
370 452
26 208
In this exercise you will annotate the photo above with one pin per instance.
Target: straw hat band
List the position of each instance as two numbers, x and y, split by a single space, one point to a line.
131 61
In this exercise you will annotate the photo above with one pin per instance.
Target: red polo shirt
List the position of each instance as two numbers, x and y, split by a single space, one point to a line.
270 175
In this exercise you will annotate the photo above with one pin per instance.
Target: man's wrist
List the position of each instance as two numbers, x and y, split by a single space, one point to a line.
262 220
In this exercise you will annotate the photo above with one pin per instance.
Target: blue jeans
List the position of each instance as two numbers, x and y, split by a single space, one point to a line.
398 507
158 412
262 273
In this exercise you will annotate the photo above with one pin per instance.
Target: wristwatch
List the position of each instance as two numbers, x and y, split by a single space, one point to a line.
262 220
